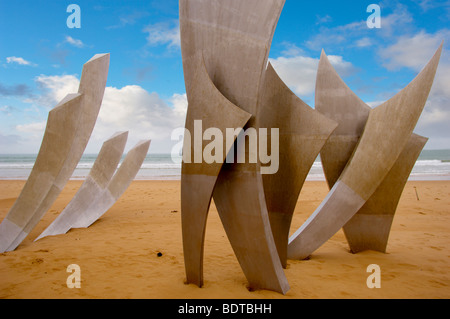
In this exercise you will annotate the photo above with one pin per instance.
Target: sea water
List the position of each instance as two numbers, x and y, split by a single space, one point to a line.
431 165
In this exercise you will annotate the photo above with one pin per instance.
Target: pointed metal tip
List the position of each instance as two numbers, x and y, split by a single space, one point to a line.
323 55
117 136
441 47
68 98
143 142
324 58
99 56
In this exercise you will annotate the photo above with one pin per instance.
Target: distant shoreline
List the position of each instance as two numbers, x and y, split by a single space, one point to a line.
431 165
424 178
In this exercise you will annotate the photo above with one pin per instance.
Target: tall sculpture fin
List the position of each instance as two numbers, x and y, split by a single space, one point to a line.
98 179
369 229
338 102
92 87
208 105
234 37
240 201
119 183
60 132
388 130
303 131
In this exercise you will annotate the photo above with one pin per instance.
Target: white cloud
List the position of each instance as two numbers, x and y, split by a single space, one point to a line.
131 108
358 34
364 42
75 42
435 119
412 51
336 35
34 128
163 33
432 4
323 19
342 67
180 104
299 72
55 88
399 19
292 50
18 60
145 115
128 19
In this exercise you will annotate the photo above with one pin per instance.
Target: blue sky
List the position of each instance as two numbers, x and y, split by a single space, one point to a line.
41 61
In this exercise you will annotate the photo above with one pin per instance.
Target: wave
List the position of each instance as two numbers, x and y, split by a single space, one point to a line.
163 167
174 165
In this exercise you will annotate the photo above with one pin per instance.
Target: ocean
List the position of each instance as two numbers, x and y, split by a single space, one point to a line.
431 165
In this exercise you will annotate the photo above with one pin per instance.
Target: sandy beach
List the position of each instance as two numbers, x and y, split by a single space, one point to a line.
135 251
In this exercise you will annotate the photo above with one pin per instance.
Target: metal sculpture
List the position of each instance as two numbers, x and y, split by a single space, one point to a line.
303 133
337 101
386 134
367 153
208 105
69 128
116 187
234 39
98 179
370 227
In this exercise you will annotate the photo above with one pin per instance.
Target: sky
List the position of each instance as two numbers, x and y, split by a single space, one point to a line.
41 60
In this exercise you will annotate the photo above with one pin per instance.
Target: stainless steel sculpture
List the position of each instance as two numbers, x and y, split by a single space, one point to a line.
234 39
68 131
116 187
367 153
207 104
388 129
303 132
370 227
96 182
337 101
